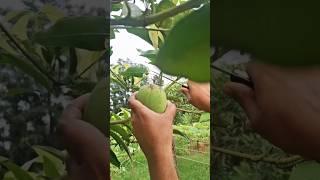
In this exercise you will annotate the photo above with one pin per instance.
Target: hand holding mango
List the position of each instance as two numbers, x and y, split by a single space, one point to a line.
153 97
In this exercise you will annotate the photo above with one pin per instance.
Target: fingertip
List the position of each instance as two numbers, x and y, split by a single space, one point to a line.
171 107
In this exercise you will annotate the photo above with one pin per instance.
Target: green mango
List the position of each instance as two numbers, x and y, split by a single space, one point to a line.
153 97
95 111
282 32
186 51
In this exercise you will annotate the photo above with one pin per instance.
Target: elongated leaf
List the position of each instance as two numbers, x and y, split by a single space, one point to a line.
177 132
113 159
52 12
268 31
18 172
27 165
121 131
5 46
150 54
51 165
20 29
50 169
78 32
26 67
142 33
186 51
120 142
163 5
135 71
307 171
53 151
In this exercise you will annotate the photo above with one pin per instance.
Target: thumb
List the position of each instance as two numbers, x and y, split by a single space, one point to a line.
171 109
245 96
186 92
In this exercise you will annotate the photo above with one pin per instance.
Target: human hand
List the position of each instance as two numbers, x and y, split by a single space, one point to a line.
284 106
198 95
154 133
87 146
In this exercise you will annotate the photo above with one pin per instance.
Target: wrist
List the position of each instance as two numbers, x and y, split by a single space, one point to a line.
162 165
159 153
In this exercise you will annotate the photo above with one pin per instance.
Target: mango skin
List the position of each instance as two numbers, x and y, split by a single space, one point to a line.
153 97
95 111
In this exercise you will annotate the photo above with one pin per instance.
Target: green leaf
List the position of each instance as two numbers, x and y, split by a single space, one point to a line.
135 71
164 5
20 29
309 170
177 132
204 117
52 12
2 158
27 165
140 32
5 46
62 155
270 33
113 159
86 32
50 168
120 142
18 172
118 129
88 59
186 51
116 6
25 67
150 54
51 165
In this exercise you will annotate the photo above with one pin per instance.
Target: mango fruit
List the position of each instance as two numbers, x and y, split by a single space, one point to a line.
95 111
153 97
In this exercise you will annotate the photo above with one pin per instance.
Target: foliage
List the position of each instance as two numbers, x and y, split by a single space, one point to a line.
37 82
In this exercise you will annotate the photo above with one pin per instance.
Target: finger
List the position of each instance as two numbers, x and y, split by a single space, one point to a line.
75 108
82 139
81 101
244 95
186 92
135 105
171 109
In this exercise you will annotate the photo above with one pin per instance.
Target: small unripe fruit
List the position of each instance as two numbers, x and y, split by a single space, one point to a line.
153 97
95 111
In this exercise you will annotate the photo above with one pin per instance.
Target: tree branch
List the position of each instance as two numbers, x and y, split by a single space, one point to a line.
119 122
189 111
144 21
262 157
132 27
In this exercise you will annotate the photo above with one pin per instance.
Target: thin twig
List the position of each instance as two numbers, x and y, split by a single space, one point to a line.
119 122
189 111
145 28
172 83
147 20
128 9
256 158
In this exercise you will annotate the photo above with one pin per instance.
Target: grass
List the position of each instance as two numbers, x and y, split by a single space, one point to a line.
190 166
